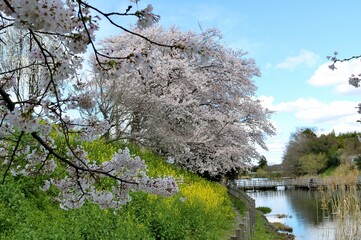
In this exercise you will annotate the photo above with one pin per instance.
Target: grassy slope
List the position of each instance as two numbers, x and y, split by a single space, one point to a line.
202 209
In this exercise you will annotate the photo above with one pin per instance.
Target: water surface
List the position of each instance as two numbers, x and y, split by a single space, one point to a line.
303 211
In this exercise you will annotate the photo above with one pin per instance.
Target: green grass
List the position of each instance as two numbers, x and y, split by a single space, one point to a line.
329 171
27 213
264 210
240 206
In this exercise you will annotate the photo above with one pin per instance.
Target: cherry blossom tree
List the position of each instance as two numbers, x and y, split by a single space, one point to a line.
42 44
195 103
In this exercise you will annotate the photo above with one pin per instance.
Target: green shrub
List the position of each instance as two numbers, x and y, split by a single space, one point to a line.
264 210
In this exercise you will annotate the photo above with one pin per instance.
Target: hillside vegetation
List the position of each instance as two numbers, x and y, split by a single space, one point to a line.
201 210
309 154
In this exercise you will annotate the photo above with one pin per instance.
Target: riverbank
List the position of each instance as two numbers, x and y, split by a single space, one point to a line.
264 230
251 222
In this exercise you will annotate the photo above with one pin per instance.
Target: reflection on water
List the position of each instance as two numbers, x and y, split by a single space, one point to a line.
303 209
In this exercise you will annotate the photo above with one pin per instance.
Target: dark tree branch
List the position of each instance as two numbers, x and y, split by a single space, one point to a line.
6 97
347 59
12 156
106 15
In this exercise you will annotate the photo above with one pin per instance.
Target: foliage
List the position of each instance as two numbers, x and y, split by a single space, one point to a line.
264 210
358 162
262 164
240 206
313 163
346 169
197 107
308 153
282 227
329 171
297 146
202 209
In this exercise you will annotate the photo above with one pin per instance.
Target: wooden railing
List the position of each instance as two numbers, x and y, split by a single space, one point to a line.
307 183
245 227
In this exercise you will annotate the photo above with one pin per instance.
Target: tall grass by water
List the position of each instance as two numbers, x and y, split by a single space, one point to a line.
343 199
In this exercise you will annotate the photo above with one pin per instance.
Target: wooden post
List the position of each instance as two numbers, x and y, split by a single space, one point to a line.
245 230
249 225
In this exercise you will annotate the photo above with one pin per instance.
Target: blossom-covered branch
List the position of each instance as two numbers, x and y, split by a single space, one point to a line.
42 43
354 80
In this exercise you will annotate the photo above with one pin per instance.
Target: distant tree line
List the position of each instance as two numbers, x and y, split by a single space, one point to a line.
307 153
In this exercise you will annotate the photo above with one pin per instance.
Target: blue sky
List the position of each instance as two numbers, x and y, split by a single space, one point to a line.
289 41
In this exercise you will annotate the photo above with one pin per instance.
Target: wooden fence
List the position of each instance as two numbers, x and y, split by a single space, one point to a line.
245 227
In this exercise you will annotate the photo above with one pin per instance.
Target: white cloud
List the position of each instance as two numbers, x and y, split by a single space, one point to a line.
267 101
268 66
300 104
276 147
314 111
337 78
346 124
304 57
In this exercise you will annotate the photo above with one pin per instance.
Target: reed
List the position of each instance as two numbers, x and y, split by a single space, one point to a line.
342 198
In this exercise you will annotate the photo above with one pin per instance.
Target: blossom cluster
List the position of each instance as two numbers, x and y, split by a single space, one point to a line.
354 80
128 172
37 162
83 100
54 16
146 17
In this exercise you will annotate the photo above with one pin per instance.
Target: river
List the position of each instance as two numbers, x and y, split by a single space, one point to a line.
302 209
